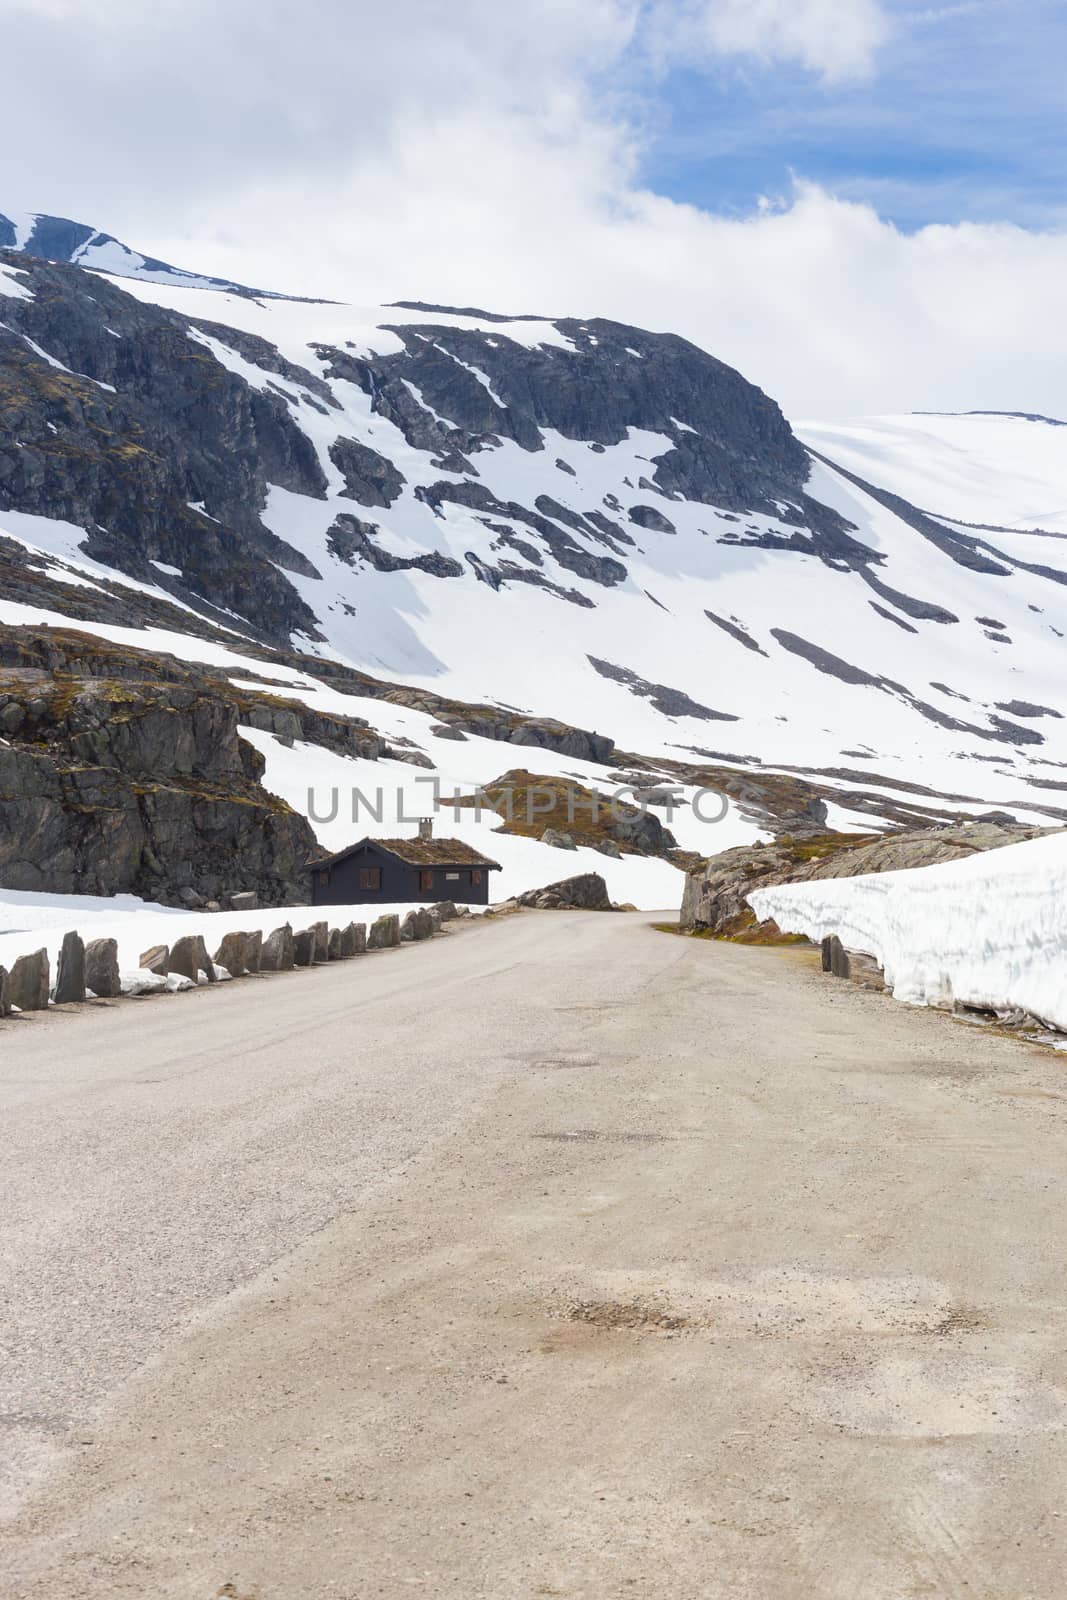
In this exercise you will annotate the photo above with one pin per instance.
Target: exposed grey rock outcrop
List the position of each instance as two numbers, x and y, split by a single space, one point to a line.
672 702
585 892
243 900
370 478
715 898
179 427
111 787
350 538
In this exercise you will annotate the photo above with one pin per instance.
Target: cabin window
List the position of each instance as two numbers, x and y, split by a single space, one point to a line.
476 874
426 878
452 877
370 878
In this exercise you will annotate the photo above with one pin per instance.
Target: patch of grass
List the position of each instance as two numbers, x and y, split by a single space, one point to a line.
530 802
758 933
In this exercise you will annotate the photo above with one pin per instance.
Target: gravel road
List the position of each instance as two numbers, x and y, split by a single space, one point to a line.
558 1257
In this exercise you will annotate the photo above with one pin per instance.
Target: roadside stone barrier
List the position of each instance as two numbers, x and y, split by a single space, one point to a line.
28 982
384 932
102 968
91 971
277 955
156 959
70 971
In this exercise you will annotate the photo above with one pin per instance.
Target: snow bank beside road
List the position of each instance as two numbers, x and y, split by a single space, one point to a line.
989 931
31 922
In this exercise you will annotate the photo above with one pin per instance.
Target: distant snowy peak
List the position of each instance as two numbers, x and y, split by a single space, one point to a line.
60 239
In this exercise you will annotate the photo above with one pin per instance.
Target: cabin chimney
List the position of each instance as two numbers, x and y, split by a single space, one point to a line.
426 828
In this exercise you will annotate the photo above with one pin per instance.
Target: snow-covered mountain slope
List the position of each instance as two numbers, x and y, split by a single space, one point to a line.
556 518
987 469
60 239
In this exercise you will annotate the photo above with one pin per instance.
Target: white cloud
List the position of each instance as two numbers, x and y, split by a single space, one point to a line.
836 38
471 154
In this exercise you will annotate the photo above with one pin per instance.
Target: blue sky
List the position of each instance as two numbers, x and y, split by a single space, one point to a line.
963 118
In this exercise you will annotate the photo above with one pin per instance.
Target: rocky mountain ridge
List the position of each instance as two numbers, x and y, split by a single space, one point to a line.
460 529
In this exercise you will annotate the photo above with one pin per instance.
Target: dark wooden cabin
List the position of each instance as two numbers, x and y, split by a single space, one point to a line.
394 871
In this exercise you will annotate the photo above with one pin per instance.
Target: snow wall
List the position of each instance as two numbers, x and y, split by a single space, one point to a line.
989 931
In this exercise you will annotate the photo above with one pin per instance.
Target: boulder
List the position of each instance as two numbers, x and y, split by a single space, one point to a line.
558 840
231 953
643 832
384 933
446 910
28 983
102 968
156 959
184 957
253 949
418 924
840 966
277 954
608 847
320 932
359 935
442 730
5 1004
347 942
188 956
304 947
671 798
586 892
336 944
246 900
70 971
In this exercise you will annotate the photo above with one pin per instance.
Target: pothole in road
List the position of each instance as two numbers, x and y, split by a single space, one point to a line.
959 1319
642 1314
634 1316
785 1303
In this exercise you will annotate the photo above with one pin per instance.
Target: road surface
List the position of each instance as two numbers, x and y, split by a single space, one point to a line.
560 1257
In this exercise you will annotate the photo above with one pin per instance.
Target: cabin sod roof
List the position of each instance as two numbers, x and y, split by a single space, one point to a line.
420 853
